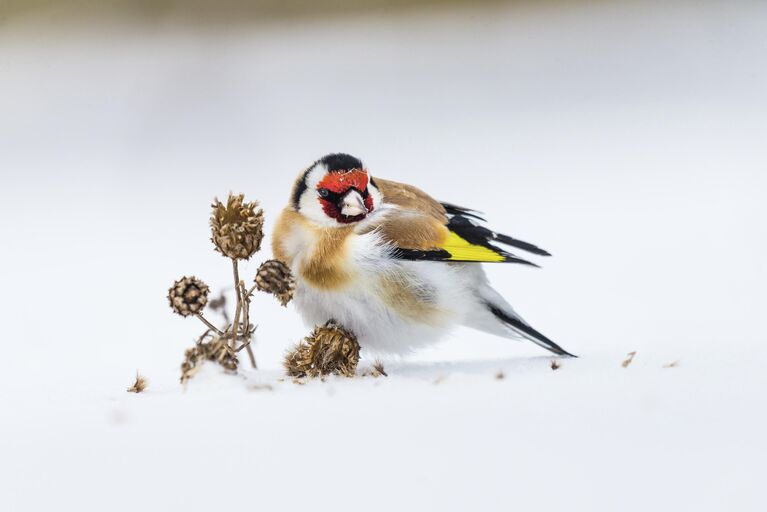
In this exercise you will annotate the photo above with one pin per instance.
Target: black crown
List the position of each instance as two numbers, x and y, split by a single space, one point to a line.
341 162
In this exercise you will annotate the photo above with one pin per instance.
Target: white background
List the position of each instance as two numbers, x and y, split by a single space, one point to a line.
627 139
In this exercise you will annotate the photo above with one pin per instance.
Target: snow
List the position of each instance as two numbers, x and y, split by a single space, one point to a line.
627 139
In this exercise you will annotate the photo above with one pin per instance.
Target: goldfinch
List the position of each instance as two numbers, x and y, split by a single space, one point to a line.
389 263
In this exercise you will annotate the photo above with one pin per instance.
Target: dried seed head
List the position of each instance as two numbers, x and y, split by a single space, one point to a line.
139 385
275 277
237 228
376 370
188 296
378 367
329 349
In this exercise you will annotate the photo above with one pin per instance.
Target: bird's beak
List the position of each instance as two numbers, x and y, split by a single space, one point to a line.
353 204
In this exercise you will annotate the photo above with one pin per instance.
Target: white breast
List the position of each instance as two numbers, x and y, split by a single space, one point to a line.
361 308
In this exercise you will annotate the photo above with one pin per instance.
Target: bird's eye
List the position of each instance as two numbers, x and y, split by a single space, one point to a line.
323 192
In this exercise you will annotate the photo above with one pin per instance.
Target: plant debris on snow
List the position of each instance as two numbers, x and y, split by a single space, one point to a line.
139 385
376 370
629 359
379 369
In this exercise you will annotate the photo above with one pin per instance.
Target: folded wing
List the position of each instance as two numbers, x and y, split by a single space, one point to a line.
421 228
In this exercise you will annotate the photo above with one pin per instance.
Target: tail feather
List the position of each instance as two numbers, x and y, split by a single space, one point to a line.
526 331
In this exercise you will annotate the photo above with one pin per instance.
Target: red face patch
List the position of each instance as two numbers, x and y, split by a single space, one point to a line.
340 182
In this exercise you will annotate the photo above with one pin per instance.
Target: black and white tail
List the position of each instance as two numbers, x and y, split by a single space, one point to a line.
521 328
492 314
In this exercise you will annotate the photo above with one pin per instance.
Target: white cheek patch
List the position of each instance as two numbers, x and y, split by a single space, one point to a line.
309 204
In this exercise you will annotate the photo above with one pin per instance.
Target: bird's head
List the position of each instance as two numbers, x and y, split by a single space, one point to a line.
336 191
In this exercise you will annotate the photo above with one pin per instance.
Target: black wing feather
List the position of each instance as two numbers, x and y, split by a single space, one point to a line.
480 235
462 222
453 209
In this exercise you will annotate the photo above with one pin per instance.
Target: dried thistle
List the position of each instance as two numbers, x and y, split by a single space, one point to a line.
217 350
219 305
188 296
555 365
376 370
379 368
139 385
275 277
629 359
329 349
237 228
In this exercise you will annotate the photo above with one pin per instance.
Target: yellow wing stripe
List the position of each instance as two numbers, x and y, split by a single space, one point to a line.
463 250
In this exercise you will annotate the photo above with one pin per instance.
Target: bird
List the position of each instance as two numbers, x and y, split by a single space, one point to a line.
391 264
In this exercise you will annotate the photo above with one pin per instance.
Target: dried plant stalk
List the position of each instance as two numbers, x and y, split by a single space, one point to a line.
216 350
249 329
219 305
236 232
235 331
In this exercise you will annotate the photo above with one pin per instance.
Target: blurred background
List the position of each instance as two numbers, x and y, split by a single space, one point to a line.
627 138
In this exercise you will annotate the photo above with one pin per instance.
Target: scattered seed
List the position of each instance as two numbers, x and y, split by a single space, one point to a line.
629 359
375 371
139 385
379 367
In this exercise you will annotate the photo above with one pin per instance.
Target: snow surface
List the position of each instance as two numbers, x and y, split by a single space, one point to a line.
627 139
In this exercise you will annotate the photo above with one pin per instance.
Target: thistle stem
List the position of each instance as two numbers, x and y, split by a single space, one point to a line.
210 325
251 356
236 323
246 310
